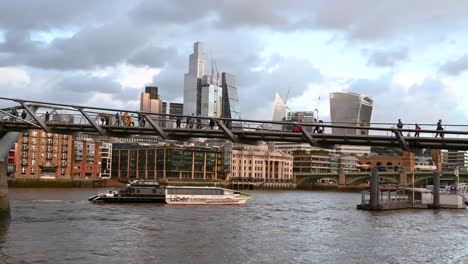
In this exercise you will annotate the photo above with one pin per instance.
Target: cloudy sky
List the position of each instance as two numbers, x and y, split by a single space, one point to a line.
409 56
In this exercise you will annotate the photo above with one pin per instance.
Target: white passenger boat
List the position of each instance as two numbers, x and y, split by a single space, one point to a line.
204 195
149 191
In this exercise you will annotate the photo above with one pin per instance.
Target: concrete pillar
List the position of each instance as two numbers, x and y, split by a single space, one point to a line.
341 177
6 143
436 190
4 203
437 158
403 178
374 189
407 160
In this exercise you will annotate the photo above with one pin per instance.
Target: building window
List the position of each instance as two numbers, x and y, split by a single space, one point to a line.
33 170
23 170
33 155
33 162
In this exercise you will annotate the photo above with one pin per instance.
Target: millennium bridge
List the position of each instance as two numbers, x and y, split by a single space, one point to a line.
21 115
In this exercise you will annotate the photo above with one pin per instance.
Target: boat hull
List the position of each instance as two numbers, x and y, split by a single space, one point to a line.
126 199
205 201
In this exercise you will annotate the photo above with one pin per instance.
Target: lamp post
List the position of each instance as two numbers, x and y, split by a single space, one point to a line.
413 188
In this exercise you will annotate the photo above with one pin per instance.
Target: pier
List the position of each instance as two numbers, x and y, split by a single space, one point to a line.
395 197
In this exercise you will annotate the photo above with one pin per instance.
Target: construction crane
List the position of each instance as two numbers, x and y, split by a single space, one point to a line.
287 96
317 107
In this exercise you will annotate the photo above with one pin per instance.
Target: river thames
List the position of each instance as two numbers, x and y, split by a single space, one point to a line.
61 226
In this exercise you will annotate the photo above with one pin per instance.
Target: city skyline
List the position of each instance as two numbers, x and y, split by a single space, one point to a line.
90 57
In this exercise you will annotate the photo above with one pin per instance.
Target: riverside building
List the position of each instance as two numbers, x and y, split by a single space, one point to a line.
259 164
42 155
166 162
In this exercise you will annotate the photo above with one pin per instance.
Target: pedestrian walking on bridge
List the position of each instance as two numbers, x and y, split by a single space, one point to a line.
439 128
400 126
178 120
417 127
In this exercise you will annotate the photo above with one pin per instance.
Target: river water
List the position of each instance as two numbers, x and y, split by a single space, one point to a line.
61 226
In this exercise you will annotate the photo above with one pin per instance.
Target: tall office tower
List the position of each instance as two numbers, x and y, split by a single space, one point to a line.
197 68
230 105
279 109
210 98
173 109
279 112
350 109
150 101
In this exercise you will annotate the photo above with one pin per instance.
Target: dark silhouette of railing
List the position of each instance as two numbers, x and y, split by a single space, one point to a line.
21 115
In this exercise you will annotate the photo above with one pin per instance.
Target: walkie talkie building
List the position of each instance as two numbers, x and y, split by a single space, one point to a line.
350 109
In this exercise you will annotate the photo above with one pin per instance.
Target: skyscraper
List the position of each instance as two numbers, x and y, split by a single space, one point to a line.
173 109
150 101
350 109
230 105
197 68
279 109
210 99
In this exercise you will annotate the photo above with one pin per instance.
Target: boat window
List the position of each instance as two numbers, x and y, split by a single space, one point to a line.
195 191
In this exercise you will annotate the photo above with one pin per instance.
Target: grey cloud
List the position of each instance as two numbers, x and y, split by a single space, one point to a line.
92 47
152 56
387 58
455 67
45 15
359 20
88 85
423 103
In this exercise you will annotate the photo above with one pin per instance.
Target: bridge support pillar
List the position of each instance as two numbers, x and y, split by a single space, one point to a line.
4 203
436 190
374 190
7 141
403 177
341 177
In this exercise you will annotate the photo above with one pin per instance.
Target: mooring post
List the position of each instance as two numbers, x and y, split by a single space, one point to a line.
403 178
374 189
341 177
436 190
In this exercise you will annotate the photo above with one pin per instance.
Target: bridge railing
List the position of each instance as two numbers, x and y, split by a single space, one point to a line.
34 114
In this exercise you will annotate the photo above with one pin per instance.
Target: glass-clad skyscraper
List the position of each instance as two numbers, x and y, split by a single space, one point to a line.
230 106
211 99
197 68
350 109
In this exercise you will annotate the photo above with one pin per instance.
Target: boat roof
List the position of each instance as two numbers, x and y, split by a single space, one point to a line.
422 190
144 182
194 187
